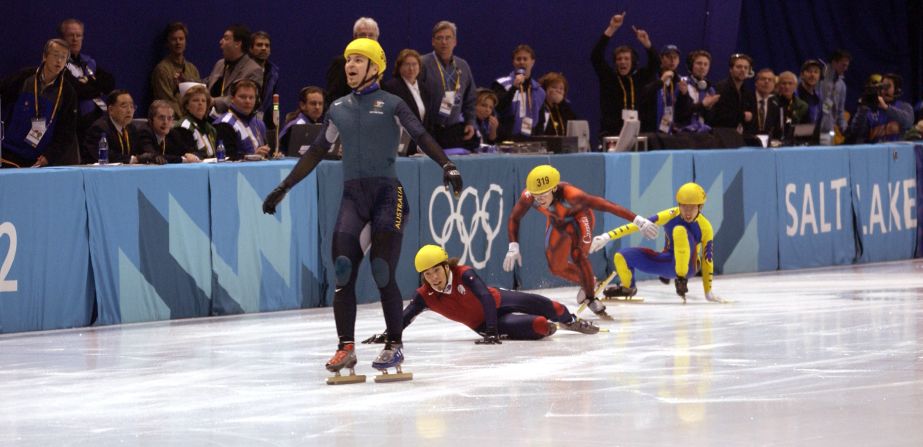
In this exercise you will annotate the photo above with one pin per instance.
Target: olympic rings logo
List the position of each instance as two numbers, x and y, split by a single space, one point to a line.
480 221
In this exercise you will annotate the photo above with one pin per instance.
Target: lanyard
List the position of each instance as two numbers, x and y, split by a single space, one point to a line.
127 142
442 74
663 92
57 100
625 93
558 121
527 94
246 131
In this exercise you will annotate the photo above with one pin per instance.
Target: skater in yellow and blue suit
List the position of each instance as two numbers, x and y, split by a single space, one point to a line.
688 247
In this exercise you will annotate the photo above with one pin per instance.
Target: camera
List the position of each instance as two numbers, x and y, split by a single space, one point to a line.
871 94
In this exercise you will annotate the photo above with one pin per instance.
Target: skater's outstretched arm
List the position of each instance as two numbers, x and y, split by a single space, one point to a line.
305 165
600 241
520 209
430 147
413 309
707 255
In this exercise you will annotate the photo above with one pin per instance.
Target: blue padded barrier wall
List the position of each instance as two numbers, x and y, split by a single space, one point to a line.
741 206
645 183
149 239
330 191
884 194
814 207
44 251
262 262
918 152
191 240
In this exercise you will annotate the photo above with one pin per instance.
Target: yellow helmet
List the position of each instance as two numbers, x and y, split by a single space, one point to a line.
542 178
429 256
690 194
370 49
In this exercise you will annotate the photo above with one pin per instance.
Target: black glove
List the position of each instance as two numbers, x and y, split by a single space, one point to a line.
664 280
273 199
377 338
451 176
490 338
150 158
681 288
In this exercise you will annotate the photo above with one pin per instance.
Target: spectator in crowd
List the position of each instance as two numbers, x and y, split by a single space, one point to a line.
881 116
696 94
808 89
174 69
795 109
41 129
520 96
310 111
91 82
166 143
122 136
734 107
767 117
235 65
451 89
833 93
241 131
486 122
556 111
196 103
336 78
406 85
620 88
658 97
260 50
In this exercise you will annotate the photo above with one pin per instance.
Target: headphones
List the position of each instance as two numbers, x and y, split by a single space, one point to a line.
898 81
701 84
734 57
234 87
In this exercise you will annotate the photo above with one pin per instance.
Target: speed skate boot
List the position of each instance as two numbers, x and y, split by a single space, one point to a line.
620 291
345 357
581 326
391 357
594 304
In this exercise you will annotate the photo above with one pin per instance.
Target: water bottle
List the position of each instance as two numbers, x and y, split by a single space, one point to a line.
219 154
103 151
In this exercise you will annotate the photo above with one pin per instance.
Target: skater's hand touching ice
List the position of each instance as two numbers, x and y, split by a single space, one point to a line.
491 337
648 229
512 257
377 338
599 242
273 199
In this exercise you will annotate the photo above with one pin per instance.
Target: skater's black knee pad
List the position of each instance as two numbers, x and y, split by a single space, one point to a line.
343 268
381 271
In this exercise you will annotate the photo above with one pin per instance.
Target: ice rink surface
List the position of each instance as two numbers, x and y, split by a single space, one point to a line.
827 357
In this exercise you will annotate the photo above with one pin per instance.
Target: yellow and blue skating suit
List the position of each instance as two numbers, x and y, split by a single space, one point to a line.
688 247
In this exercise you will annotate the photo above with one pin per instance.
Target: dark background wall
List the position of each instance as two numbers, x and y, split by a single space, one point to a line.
125 37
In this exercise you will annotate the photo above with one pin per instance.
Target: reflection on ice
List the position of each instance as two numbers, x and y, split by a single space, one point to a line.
820 357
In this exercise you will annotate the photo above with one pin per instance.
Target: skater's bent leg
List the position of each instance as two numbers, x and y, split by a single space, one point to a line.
523 327
644 259
557 252
346 257
386 251
529 303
